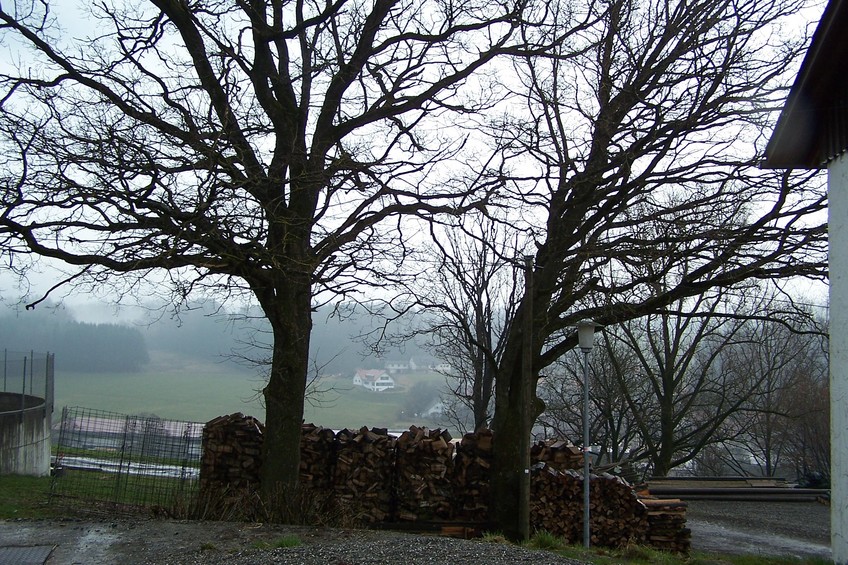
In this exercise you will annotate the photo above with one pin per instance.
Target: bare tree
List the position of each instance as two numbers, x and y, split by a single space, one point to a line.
635 161
259 146
467 299
714 382
763 434
612 426
809 428
704 389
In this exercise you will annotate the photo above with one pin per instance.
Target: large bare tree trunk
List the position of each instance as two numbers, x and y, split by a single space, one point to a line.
507 427
511 426
290 315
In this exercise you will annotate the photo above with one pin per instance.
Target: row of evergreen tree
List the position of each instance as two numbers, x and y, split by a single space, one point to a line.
77 345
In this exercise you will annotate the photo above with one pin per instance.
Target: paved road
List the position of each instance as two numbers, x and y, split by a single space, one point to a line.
800 529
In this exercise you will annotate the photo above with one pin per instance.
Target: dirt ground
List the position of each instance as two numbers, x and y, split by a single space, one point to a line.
796 528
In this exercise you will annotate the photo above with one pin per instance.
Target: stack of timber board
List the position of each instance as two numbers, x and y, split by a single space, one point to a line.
667 524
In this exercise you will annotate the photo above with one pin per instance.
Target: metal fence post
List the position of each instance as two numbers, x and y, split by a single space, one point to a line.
23 391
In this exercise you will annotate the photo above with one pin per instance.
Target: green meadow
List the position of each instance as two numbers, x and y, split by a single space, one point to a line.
201 393
195 397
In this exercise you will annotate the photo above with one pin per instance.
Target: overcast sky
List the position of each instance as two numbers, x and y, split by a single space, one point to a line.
72 18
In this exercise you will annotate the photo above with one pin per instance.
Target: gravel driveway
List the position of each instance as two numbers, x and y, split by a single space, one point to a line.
799 528
200 543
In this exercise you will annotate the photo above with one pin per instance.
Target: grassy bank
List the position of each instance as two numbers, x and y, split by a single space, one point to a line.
25 497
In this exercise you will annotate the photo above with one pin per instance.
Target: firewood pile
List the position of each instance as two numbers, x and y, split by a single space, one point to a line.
232 452
317 457
667 524
362 477
230 463
423 474
471 476
617 517
380 478
561 455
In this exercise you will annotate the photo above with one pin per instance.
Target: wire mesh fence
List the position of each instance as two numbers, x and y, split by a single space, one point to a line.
28 378
110 461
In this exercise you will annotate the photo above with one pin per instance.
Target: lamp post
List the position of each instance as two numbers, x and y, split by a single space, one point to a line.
586 341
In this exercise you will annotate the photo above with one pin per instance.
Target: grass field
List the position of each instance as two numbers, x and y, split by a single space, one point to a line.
195 397
348 406
24 497
200 393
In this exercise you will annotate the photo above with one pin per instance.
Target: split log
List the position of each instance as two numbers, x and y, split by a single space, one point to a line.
561 455
424 461
363 473
471 476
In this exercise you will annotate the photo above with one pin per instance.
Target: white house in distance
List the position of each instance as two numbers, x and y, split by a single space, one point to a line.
375 380
812 133
396 366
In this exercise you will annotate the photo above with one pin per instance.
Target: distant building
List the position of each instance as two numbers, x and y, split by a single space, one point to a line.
375 380
437 409
444 368
395 367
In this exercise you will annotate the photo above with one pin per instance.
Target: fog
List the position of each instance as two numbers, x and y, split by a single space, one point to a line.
89 336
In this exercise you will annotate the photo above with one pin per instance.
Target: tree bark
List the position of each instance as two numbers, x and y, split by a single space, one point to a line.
509 427
290 315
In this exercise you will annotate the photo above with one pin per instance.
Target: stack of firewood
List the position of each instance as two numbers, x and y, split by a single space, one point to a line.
317 456
471 476
423 480
362 478
617 518
379 478
232 452
667 524
229 467
561 455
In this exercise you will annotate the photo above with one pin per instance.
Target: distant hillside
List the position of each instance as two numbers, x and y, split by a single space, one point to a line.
78 346
202 334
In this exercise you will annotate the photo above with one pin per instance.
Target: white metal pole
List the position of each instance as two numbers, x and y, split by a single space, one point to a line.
586 528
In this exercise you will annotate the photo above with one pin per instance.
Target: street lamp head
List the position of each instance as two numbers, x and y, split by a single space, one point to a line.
586 334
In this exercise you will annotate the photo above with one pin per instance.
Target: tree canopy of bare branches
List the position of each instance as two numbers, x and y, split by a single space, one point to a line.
277 148
465 304
259 146
634 163
720 382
